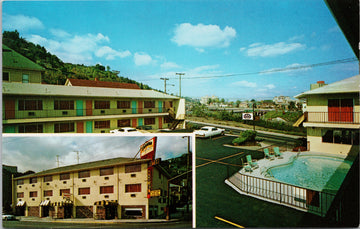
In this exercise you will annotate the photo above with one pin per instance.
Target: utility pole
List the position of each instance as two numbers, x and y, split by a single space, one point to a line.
165 79
180 74
57 160
77 156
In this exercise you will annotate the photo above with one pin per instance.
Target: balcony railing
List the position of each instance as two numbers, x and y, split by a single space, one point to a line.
334 117
29 114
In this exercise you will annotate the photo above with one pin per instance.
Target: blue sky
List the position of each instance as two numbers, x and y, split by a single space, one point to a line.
90 148
147 40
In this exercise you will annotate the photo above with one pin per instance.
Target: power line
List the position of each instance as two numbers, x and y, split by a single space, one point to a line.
292 68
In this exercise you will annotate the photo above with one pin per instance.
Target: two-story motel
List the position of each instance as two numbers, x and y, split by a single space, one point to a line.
79 106
332 116
108 189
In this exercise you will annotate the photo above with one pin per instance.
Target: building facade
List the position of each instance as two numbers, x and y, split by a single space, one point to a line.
332 117
80 106
110 189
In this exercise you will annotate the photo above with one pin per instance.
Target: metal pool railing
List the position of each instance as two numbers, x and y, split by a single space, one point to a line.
308 200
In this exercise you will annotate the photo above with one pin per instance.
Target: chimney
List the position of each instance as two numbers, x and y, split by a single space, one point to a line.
318 84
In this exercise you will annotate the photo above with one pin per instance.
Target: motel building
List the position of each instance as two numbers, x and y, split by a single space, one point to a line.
79 106
332 116
119 188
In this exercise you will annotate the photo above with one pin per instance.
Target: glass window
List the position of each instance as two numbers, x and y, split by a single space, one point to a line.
123 104
20 195
65 176
64 105
84 191
102 124
133 188
6 76
106 189
36 128
20 182
47 178
102 104
62 191
123 122
83 174
64 127
28 105
149 121
33 180
106 171
33 194
25 78
327 136
149 104
48 193
132 168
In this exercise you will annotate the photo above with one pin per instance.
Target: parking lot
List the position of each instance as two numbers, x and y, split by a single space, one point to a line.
214 198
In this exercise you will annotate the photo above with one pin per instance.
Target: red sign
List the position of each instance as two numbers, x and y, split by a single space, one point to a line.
148 149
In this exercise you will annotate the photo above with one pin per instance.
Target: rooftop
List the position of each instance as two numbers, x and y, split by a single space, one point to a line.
12 59
97 83
349 85
61 90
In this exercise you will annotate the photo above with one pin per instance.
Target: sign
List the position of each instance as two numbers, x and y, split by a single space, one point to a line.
247 116
149 181
155 193
147 150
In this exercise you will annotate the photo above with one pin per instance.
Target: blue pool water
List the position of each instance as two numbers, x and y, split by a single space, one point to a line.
313 172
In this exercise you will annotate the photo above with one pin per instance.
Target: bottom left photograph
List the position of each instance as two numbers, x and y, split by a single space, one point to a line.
116 180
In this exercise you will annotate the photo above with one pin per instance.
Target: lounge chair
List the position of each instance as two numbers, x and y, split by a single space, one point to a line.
248 168
277 152
267 154
250 162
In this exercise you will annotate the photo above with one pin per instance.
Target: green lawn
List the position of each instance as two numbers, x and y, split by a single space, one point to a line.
215 198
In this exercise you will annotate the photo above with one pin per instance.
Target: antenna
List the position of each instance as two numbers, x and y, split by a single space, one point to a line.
77 156
57 160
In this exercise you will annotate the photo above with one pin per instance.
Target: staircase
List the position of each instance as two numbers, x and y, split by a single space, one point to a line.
174 122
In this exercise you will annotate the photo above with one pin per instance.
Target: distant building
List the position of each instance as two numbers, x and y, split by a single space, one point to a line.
80 106
205 99
8 172
282 100
332 117
119 188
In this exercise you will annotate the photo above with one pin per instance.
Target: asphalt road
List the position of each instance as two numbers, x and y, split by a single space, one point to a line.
215 198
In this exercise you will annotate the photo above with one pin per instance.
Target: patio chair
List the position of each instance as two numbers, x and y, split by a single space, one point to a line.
248 168
250 162
277 152
267 154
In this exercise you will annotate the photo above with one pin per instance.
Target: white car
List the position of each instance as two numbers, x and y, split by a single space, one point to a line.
8 217
208 131
124 130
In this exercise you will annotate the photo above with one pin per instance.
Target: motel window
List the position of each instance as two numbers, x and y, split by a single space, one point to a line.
106 171
6 76
106 189
83 174
101 104
62 191
149 121
30 105
47 178
65 176
133 188
149 104
123 104
340 136
64 127
20 195
48 193
33 194
36 128
64 105
25 78
20 182
167 119
33 180
123 122
84 191
102 124
132 168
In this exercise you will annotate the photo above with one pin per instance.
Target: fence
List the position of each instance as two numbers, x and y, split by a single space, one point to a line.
293 196
334 117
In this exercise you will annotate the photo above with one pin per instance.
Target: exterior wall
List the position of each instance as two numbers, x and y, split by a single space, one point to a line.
84 112
160 183
316 145
15 75
85 205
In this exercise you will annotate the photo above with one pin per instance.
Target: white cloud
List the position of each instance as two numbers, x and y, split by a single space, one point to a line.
20 22
268 50
59 33
201 36
168 65
244 83
296 67
142 59
270 86
110 53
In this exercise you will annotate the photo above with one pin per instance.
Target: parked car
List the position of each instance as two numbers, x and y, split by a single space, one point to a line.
208 131
124 130
8 217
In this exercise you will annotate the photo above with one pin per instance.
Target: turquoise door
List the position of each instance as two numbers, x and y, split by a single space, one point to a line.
79 108
89 127
141 121
160 107
133 106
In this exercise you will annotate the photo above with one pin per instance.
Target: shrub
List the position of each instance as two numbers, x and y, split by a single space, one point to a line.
246 136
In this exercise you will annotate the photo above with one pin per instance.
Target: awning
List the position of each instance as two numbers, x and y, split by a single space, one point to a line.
62 203
45 203
133 209
106 202
20 204
299 121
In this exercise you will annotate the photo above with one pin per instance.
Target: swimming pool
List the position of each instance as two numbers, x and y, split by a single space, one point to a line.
320 173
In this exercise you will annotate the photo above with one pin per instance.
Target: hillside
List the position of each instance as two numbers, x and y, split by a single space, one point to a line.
56 70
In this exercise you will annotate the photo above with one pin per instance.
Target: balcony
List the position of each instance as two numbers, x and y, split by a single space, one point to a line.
333 117
51 113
